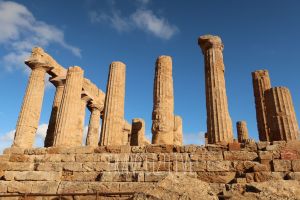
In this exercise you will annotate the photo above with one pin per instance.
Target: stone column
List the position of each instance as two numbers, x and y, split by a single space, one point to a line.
81 112
59 83
281 117
126 133
219 125
92 138
137 132
68 116
261 83
29 116
178 130
242 131
113 119
163 102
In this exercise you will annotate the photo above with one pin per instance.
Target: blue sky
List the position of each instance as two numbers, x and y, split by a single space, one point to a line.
91 34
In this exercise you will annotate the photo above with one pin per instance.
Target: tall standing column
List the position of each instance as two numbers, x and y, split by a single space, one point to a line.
68 117
29 116
178 139
261 83
59 83
113 119
92 137
242 131
163 102
219 125
281 115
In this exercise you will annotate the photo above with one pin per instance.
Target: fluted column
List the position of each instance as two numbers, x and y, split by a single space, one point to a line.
137 132
261 83
113 119
59 83
29 115
219 125
68 117
242 131
178 140
92 138
163 102
281 117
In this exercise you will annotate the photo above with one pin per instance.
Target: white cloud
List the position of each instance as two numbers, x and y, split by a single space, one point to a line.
142 19
194 138
7 138
20 31
148 21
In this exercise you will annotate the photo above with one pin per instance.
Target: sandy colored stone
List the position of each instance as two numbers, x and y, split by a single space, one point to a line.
219 124
59 83
113 117
137 132
29 115
242 131
68 118
92 138
261 82
178 186
281 115
163 102
178 135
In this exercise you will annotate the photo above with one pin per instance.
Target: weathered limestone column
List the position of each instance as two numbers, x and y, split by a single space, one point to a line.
59 83
242 131
219 125
68 117
281 115
113 119
261 83
81 112
29 116
163 102
92 138
137 132
178 140
126 133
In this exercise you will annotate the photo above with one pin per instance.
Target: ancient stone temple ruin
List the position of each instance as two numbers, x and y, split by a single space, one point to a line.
119 162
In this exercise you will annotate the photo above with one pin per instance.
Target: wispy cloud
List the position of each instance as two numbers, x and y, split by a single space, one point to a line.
20 31
7 138
194 138
142 18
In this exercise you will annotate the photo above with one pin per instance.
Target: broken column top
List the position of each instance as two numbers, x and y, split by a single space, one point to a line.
117 64
210 41
164 57
260 73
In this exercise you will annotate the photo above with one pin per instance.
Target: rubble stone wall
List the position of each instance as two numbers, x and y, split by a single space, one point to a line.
132 168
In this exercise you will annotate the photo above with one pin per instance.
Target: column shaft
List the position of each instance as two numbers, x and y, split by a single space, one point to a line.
242 131
261 83
68 118
163 102
219 125
92 138
29 116
281 115
178 139
59 84
113 118
137 132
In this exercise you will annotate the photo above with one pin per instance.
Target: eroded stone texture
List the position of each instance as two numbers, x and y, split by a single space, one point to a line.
113 119
242 131
59 83
261 83
281 117
68 117
178 130
219 124
126 134
92 138
137 132
163 102
29 116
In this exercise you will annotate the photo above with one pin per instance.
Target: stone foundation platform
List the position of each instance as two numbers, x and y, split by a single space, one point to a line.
134 168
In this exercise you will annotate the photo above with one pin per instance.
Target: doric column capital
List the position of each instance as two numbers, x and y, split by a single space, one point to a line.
58 81
94 105
210 41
